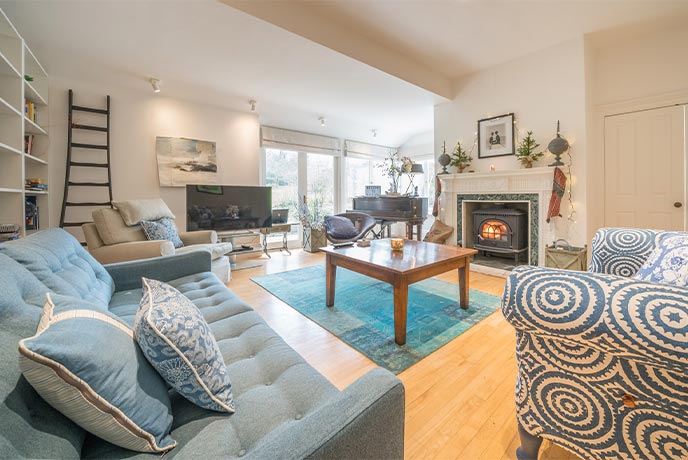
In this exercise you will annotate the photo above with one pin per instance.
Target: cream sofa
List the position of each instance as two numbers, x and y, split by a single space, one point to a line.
116 236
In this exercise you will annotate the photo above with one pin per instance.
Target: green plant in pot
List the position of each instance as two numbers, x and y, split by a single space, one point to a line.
526 153
460 158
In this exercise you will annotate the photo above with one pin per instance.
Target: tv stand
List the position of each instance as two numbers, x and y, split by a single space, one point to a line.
260 236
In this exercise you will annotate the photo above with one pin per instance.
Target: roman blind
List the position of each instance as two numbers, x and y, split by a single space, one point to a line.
287 139
365 150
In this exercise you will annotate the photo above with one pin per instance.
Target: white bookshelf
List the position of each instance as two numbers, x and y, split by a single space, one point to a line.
16 61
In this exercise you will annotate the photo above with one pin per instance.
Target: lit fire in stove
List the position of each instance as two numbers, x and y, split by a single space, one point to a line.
494 230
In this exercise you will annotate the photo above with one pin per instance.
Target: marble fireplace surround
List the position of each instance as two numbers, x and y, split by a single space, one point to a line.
532 186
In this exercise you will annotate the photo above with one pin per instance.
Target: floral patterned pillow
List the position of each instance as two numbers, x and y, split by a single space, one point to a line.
177 341
162 229
668 263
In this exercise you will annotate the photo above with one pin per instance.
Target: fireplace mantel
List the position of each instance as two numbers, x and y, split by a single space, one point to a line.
487 185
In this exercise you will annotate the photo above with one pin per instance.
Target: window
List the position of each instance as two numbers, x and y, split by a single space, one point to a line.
282 173
295 174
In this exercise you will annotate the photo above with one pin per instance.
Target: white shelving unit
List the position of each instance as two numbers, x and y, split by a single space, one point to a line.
17 61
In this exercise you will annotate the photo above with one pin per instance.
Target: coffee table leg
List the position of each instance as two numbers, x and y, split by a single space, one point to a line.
330 277
400 307
464 280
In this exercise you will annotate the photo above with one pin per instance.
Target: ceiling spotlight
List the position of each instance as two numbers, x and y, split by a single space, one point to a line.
375 133
252 103
155 83
322 121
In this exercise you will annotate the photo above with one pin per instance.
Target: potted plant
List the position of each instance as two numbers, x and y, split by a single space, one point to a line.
313 228
394 166
460 158
526 153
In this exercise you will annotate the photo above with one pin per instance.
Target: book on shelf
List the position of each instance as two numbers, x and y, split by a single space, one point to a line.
9 232
35 185
30 110
28 143
31 213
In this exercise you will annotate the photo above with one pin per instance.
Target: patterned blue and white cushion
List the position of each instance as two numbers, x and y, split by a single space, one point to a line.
668 263
178 342
621 251
162 229
85 363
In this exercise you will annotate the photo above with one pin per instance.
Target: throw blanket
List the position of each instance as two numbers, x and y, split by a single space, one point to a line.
558 189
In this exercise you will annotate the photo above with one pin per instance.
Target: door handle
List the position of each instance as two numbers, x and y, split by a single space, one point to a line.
678 204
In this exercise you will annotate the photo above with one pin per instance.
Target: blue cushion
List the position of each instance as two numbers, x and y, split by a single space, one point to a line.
59 261
85 363
340 227
162 229
668 263
178 342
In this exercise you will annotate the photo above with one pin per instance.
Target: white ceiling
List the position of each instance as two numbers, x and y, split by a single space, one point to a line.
455 38
344 70
202 47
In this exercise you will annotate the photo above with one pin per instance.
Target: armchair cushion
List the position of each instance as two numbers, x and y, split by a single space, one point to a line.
112 229
621 251
162 229
668 263
134 250
134 211
199 237
216 250
340 227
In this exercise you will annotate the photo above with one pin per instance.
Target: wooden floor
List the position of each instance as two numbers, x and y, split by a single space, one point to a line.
459 400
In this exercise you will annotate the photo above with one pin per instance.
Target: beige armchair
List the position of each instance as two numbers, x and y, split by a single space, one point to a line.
110 240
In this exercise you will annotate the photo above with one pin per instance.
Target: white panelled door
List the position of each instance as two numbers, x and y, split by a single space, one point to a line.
645 171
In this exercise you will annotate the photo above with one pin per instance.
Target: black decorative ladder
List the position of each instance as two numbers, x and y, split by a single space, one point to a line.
66 203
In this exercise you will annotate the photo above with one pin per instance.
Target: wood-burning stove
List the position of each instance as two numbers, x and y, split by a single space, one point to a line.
501 230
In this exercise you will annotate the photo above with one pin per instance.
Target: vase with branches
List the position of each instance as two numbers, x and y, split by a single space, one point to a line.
393 167
526 153
460 158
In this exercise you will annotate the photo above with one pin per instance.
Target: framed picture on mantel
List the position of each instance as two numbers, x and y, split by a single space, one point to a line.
496 136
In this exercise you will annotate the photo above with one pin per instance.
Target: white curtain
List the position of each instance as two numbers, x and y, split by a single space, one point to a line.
365 150
287 139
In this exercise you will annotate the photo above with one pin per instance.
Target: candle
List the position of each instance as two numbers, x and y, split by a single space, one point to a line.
493 168
397 244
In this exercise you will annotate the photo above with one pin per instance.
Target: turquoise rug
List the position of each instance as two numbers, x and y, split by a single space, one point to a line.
363 312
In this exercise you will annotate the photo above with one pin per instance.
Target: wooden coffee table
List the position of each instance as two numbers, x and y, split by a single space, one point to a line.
418 261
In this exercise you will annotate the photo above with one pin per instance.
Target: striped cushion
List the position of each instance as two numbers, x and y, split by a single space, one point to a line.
85 363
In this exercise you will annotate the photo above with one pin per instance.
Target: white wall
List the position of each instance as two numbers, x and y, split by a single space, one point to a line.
138 116
629 70
540 89
419 144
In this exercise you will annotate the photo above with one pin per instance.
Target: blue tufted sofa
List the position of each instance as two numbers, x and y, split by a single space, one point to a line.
602 358
285 409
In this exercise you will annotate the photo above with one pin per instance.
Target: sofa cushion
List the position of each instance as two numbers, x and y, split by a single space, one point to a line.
162 229
101 381
216 250
31 428
668 263
177 341
340 227
59 261
113 230
273 387
134 211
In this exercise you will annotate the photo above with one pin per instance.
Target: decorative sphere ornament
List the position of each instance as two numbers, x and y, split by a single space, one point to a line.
444 160
558 146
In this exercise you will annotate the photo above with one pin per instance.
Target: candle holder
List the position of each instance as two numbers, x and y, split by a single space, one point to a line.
397 244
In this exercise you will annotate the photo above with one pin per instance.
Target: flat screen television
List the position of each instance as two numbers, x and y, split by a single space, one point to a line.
228 207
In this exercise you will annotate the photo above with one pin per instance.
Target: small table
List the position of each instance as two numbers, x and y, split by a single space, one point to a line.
418 261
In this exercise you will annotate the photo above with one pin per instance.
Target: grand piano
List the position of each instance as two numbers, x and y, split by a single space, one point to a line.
390 209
